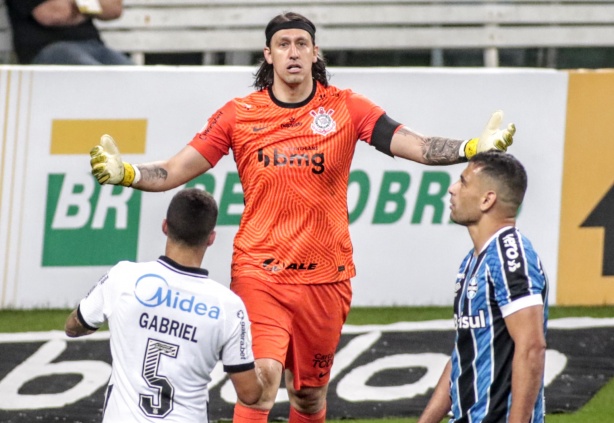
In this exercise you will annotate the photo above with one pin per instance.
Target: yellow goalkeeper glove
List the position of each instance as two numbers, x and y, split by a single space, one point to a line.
108 167
492 137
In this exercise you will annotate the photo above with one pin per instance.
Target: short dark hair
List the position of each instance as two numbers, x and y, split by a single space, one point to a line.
263 78
509 174
191 217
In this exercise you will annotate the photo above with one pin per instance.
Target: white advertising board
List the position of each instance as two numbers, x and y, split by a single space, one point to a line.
59 231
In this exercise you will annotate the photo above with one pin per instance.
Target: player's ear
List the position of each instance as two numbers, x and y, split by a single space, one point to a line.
316 52
164 227
267 55
211 239
488 200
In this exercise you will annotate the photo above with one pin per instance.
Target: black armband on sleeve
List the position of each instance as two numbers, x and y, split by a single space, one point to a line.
82 320
381 138
239 368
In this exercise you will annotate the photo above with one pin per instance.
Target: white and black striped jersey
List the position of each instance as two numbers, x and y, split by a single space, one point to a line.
505 277
169 325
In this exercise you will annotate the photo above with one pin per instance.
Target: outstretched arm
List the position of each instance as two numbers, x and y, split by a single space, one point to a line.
169 174
108 168
445 151
427 150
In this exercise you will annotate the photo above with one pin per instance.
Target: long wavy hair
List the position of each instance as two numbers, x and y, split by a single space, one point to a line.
263 78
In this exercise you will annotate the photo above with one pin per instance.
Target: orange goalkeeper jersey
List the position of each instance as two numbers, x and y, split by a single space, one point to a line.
294 164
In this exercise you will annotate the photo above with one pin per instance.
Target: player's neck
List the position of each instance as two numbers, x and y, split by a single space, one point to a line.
292 93
484 230
189 257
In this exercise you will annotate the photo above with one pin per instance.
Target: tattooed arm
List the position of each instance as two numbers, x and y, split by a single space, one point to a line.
169 174
427 150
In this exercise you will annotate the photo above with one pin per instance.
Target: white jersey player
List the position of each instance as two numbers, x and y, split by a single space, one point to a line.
170 324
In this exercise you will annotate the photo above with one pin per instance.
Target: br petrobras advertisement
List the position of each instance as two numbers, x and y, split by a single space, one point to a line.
60 231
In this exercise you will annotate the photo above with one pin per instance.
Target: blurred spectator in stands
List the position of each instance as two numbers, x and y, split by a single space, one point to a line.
62 32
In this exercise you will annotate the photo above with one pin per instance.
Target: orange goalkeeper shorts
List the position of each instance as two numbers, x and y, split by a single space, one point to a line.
297 325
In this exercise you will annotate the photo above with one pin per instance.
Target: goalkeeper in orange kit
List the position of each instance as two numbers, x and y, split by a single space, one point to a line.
293 140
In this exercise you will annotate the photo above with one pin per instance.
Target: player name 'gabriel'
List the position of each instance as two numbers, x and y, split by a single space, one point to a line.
168 326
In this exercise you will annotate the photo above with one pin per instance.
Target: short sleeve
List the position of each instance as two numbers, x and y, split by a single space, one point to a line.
97 306
91 308
519 304
237 355
364 113
517 275
214 140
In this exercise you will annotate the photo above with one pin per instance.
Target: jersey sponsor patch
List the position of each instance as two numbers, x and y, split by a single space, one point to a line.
513 262
245 338
511 253
153 291
293 157
470 322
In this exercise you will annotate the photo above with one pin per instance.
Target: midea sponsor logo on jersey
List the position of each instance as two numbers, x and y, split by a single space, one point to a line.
152 290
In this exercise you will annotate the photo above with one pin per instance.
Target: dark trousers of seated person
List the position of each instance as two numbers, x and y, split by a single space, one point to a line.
86 52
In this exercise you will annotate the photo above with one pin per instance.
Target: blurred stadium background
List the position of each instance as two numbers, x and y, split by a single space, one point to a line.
559 34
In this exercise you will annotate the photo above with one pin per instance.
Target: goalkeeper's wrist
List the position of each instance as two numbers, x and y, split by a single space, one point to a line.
469 148
132 175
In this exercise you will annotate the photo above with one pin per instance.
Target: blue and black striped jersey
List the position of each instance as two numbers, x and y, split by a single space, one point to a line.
505 277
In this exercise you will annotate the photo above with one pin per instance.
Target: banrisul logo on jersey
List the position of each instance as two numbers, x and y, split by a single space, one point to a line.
87 224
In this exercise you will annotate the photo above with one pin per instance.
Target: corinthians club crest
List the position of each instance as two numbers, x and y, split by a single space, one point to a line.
323 123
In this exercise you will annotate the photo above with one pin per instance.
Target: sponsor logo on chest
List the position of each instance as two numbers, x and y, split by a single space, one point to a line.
471 321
